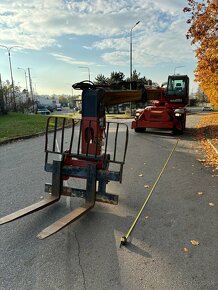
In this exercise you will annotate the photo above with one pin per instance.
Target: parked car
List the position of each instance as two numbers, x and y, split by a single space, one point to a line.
207 109
50 108
58 107
43 112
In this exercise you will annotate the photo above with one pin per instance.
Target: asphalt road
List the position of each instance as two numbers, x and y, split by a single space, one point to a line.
86 254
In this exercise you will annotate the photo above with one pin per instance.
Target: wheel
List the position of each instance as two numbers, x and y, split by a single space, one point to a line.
184 124
177 131
140 130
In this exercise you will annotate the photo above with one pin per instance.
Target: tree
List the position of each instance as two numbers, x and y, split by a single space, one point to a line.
201 97
101 80
63 100
6 97
116 77
203 32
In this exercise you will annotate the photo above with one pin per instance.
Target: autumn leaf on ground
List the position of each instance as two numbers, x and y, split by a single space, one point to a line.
200 193
211 204
207 134
185 250
201 160
195 242
140 175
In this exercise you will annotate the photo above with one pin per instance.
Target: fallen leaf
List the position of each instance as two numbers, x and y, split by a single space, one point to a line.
200 193
201 160
140 175
146 186
195 242
185 250
211 204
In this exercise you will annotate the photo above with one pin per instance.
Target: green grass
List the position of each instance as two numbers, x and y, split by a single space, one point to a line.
17 125
119 116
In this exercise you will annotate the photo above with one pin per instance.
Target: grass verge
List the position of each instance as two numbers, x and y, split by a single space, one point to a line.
15 125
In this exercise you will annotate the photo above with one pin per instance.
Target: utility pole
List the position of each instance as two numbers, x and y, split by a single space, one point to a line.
0 82
131 53
12 80
31 87
3 109
87 69
130 60
25 75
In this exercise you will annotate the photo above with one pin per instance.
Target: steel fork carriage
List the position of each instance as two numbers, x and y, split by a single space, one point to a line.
83 149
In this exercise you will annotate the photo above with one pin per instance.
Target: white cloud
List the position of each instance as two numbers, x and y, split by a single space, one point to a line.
38 23
159 37
151 46
87 47
69 60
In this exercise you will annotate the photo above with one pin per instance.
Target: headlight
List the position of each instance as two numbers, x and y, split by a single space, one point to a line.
178 114
137 114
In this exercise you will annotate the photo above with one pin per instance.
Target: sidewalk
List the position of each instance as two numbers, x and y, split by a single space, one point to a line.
207 135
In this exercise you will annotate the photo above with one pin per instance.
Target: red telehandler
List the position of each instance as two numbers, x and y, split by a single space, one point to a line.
167 110
88 148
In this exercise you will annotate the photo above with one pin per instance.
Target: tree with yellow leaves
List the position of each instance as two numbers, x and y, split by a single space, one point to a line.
204 34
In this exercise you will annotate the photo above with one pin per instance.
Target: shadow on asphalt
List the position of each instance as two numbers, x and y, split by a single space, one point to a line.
137 250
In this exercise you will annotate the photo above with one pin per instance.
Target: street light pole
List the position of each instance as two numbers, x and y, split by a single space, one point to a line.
12 81
30 82
25 76
87 69
131 53
176 68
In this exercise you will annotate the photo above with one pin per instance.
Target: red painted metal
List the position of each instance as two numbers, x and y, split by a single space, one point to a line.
157 117
167 109
92 135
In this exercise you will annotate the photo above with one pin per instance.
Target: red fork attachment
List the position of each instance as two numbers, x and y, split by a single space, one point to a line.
81 154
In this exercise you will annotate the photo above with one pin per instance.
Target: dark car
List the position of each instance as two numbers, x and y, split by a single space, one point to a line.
50 108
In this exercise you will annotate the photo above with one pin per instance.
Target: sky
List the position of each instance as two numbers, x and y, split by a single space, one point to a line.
63 41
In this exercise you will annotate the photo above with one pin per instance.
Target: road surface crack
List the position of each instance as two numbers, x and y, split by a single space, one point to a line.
82 271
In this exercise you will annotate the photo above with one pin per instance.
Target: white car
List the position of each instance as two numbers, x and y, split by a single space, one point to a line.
58 107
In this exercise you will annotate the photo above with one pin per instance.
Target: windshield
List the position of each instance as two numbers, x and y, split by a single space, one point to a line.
176 87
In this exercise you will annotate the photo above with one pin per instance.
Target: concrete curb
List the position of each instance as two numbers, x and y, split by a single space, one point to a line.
11 140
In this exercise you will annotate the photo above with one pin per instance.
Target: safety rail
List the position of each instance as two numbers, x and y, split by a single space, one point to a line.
64 136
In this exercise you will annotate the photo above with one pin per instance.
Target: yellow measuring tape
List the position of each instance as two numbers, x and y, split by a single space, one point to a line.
123 240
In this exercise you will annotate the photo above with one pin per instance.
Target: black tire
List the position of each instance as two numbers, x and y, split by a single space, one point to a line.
177 132
139 130
184 124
